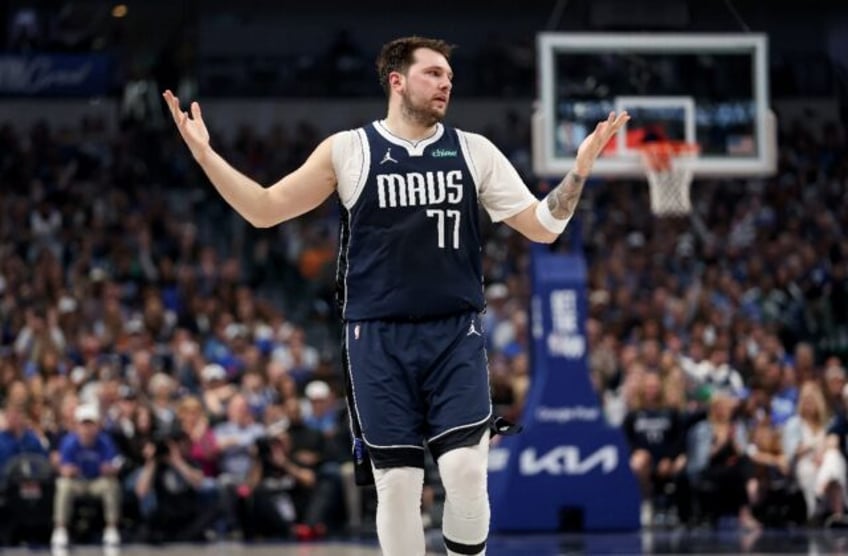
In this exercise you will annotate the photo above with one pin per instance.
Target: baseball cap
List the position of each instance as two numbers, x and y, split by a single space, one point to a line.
317 389
87 412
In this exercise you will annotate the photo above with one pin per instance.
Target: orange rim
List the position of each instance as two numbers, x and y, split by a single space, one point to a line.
657 155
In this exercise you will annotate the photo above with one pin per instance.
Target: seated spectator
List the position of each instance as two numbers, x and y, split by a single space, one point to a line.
132 430
313 450
88 467
203 449
654 431
217 391
777 382
203 453
279 482
717 465
805 444
17 438
768 487
63 424
236 440
169 489
323 415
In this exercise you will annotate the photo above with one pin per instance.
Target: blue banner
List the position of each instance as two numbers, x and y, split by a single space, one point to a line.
568 469
55 74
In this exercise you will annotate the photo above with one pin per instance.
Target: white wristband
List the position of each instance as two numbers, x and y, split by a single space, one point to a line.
548 220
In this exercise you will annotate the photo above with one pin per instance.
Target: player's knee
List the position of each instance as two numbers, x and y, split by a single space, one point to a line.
399 485
463 473
462 467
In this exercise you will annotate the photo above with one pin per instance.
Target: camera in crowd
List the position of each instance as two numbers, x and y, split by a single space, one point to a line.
162 441
274 433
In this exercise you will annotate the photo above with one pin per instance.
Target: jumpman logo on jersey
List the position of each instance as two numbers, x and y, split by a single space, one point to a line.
388 157
472 330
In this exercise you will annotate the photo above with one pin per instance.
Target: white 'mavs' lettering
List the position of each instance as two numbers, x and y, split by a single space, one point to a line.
416 189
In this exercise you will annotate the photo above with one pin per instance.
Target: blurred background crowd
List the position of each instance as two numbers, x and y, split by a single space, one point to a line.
156 346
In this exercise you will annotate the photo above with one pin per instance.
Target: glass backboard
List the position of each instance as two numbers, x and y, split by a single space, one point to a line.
710 89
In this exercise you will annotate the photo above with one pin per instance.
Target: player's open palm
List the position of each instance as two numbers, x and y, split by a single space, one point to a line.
592 145
192 129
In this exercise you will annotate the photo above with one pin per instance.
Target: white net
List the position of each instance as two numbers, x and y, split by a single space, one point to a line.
668 167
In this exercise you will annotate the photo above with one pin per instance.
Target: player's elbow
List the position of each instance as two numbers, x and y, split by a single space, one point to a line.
262 217
260 221
543 237
260 211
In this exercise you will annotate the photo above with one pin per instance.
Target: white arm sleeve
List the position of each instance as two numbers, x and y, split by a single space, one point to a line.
351 161
499 187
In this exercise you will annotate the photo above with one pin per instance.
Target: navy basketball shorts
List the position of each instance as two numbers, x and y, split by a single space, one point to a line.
413 384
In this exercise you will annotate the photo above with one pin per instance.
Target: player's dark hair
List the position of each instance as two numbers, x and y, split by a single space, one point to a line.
398 55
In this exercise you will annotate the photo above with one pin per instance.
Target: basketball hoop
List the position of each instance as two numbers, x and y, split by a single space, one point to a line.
668 165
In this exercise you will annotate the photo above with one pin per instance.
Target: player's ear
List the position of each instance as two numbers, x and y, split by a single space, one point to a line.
396 80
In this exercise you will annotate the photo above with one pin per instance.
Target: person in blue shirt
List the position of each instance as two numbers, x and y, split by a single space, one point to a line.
88 466
18 438
323 416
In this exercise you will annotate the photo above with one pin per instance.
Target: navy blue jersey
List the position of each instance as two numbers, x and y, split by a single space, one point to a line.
410 244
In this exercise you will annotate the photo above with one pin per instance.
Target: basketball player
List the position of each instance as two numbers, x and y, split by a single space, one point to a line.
410 284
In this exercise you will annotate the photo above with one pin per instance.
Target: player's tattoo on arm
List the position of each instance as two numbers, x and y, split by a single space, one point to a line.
562 201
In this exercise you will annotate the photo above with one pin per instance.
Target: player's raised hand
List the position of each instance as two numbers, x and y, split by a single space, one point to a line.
592 145
192 129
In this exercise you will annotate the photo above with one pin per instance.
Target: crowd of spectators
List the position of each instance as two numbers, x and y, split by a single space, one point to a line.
146 328
720 342
187 368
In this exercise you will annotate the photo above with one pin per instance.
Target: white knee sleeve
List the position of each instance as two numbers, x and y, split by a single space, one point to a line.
466 520
399 525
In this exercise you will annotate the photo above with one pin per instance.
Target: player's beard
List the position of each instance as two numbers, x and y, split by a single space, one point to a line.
421 114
